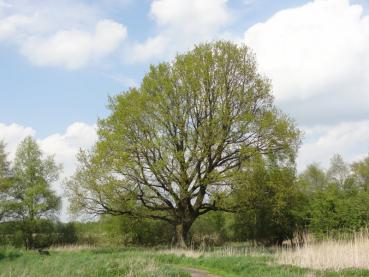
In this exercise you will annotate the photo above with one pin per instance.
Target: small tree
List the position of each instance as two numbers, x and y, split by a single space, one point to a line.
313 179
4 163
4 177
361 173
27 197
169 148
339 171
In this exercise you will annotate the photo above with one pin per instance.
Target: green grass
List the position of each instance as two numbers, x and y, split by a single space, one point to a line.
84 263
251 266
236 266
145 263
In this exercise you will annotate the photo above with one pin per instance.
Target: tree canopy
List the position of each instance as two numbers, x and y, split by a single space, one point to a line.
170 148
26 195
271 202
4 174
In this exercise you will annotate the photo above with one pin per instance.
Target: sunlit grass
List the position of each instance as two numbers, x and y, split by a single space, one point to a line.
147 262
85 263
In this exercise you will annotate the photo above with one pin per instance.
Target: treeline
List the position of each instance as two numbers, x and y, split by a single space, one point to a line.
45 233
321 202
277 206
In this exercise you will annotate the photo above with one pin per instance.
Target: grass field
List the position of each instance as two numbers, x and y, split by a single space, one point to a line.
145 262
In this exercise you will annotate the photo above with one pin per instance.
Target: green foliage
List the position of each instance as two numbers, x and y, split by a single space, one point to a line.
339 203
211 229
4 177
26 196
335 210
4 163
169 148
361 172
312 179
146 231
45 233
270 200
123 231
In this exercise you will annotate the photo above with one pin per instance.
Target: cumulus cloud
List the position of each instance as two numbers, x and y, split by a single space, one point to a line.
350 139
74 48
64 147
152 47
10 25
66 33
180 24
193 17
307 49
317 58
13 134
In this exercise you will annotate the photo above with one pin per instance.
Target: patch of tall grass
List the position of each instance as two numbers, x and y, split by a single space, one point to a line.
347 251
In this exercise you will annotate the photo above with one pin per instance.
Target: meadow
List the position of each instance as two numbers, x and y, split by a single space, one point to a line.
328 258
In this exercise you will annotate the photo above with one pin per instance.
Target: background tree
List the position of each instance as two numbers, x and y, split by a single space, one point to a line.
271 202
361 173
313 179
4 163
338 171
4 176
28 197
211 229
170 147
337 197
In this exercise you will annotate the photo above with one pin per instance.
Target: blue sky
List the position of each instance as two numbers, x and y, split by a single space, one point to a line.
50 98
61 59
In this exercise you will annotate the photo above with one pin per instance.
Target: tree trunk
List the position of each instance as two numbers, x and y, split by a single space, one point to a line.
182 230
25 239
28 241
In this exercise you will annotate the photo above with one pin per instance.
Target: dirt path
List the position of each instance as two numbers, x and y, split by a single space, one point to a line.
197 272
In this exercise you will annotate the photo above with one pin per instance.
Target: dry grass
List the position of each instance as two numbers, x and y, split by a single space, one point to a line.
190 253
329 254
226 251
147 266
72 247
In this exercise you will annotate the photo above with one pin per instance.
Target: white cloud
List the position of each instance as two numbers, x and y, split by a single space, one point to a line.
318 60
74 48
191 16
181 24
151 48
10 25
12 135
350 139
65 33
318 48
64 147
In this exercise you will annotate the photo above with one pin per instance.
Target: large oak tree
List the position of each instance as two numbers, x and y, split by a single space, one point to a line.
170 148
